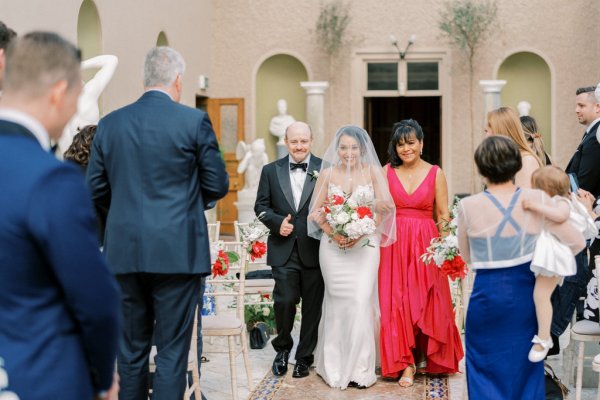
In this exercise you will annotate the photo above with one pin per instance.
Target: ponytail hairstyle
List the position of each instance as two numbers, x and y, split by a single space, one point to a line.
534 139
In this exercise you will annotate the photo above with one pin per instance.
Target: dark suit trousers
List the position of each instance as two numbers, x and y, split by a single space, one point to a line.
292 282
163 305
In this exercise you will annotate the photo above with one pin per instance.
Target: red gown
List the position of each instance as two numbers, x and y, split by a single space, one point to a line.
415 302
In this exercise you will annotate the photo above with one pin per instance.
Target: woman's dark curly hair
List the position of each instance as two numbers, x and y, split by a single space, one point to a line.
79 151
401 132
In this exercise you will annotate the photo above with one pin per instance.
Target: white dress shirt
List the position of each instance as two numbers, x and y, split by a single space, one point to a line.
297 179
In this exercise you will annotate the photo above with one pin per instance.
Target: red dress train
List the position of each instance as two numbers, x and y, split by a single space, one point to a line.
415 302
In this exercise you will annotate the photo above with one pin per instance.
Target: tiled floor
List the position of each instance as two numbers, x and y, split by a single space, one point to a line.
216 381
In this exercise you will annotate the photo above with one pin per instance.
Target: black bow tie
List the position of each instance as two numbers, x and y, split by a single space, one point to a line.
302 165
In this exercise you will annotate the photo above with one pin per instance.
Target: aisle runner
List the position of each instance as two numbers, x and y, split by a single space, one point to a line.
288 388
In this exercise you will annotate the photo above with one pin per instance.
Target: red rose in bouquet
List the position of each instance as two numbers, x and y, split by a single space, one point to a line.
363 211
337 200
454 268
258 250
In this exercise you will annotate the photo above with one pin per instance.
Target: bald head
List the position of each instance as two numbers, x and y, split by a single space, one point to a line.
298 140
298 126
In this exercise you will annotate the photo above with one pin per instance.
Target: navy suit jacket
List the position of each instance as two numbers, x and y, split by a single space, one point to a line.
585 163
276 200
158 164
59 303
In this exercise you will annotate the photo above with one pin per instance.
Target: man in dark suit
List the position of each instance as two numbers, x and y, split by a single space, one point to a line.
59 318
585 165
284 194
159 164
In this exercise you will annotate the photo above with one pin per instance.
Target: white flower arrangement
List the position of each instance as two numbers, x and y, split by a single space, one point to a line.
314 175
443 252
350 216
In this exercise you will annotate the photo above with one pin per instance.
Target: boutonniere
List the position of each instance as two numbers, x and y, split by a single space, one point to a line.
314 175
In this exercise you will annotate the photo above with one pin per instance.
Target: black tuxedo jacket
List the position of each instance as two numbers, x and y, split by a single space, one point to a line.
276 200
585 163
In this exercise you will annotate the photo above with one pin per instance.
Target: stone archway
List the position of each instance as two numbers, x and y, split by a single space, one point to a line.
89 30
162 39
278 77
528 78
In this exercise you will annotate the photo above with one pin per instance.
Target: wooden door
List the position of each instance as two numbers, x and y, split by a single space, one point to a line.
227 116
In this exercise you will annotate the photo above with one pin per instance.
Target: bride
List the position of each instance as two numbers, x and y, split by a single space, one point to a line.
346 349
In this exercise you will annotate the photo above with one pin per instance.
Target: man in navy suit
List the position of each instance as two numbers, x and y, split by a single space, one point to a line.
158 164
59 303
284 194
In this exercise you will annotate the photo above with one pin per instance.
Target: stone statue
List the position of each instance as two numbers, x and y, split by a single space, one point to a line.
253 157
88 112
523 107
280 122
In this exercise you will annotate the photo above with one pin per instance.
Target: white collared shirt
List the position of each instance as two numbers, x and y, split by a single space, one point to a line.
587 130
30 123
297 179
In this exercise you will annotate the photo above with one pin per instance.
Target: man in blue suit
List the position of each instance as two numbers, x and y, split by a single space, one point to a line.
59 303
158 165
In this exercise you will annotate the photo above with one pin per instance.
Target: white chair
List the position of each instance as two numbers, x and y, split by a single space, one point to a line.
228 325
214 231
192 367
585 331
254 286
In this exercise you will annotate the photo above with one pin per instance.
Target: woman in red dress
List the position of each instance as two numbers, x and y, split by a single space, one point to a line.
417 320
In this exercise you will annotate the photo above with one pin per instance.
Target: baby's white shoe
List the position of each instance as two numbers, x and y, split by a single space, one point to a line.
535 355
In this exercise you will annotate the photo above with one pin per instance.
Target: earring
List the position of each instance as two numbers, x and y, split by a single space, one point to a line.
421 151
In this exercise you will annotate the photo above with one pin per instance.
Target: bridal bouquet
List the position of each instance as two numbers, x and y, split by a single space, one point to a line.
443 251
251 235
350 216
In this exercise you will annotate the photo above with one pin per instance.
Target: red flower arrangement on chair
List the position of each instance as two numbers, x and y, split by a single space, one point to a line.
251 235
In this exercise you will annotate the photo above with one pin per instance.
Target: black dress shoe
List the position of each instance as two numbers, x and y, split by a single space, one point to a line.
353 384
301 369
280 364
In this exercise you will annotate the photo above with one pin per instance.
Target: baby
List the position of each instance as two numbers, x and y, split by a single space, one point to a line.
552 260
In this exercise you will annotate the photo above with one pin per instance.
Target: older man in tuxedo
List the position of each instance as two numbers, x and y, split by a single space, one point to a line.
158 164
284 194
59 303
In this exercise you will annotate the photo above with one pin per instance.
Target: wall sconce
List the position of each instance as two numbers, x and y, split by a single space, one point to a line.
394 42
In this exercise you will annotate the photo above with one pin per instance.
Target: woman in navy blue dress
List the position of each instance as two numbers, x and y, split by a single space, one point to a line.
497 238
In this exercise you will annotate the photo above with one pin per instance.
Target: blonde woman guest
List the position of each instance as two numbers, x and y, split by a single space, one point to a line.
503 121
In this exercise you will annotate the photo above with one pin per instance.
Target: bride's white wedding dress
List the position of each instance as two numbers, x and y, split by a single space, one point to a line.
346 349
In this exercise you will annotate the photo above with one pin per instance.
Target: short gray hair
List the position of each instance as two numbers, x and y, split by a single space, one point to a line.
38 60
162 65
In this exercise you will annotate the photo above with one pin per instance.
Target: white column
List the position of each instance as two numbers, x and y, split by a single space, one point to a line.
315 112
492 90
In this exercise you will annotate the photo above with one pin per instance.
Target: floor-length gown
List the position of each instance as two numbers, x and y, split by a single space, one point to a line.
346 349
414 298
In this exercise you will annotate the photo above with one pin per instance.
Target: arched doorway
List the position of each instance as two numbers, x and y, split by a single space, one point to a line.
89 30
278 77
528 78
162 39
